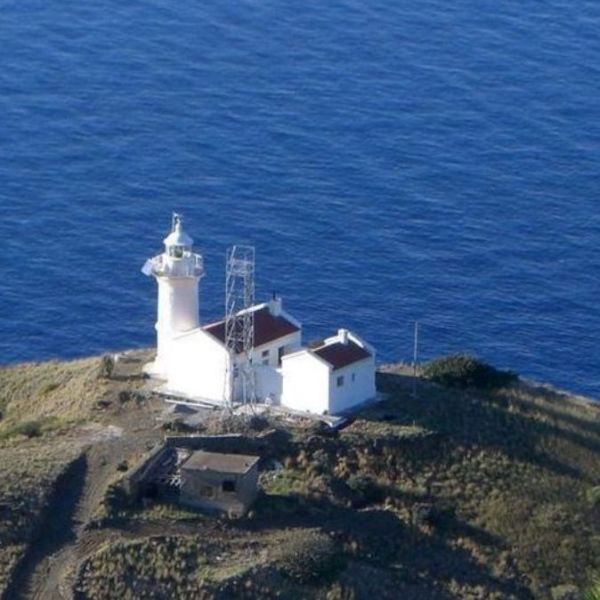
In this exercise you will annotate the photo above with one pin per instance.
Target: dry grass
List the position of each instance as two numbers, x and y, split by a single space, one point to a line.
33 391
53 396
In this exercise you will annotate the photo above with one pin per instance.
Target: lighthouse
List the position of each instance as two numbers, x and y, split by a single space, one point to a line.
178 271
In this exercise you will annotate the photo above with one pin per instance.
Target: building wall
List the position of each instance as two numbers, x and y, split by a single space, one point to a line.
197 366
178 305
177 312
309 384
305 383
269 383
289 343
266 360
358 385
194 486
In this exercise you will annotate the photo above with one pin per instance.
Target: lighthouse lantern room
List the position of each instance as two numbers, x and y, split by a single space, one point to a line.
178 271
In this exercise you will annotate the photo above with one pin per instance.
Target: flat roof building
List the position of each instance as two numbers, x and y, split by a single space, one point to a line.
216 481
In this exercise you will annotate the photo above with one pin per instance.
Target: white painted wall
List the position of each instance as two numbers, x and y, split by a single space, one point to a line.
178 305
178 312
358 386
197 366
289 343
268 375
310 384
305 382
268 383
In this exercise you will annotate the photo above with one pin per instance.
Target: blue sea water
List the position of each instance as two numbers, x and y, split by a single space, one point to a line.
391 160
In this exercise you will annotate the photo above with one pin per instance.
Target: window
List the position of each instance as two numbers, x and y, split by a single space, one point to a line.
340 381
353 377
207 491
280 353
265 357
228 486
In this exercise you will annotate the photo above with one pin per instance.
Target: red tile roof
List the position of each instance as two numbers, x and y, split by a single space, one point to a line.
340 355
267 327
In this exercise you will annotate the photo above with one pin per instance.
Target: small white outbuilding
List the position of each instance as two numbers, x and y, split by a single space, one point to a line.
197 364
331 377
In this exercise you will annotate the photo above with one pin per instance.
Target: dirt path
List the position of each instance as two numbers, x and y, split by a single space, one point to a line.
57 529
51 579
47 571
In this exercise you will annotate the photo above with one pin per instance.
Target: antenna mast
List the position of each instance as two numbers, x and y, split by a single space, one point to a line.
239 323
415 359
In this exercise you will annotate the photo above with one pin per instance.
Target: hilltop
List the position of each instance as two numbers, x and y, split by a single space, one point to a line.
455 493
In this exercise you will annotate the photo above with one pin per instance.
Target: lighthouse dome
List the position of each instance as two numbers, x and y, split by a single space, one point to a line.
178 237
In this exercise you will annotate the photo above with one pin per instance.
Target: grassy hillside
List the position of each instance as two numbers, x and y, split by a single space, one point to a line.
51 414
456 493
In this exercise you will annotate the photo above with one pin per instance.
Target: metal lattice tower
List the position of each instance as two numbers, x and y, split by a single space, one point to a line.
239 322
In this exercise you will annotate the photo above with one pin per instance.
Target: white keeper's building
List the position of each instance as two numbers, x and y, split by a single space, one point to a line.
329 377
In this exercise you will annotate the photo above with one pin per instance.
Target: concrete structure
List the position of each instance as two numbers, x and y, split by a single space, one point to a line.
331 377
213 481
201 364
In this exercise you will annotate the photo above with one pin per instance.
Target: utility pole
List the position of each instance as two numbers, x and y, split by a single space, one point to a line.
415 359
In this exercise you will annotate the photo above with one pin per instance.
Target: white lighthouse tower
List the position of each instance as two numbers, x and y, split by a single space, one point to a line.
178 271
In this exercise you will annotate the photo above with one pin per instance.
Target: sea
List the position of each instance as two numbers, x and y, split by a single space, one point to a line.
392 162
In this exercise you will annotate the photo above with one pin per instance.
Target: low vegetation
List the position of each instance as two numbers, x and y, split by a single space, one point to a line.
480 486
199 566
593 593
309 556
464 371
157 567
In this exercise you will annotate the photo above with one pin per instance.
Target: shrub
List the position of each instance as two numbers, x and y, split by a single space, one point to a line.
462 370
593 496
48 389
308 556
593 593
125 396
178 425
29 429
107 366
565 592
116 499
258 423
369 489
